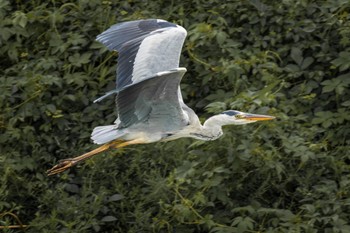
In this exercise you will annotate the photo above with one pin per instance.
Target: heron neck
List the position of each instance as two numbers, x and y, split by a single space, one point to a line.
211 128
215 122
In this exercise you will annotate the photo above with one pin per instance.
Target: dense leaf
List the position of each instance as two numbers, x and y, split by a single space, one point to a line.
287 58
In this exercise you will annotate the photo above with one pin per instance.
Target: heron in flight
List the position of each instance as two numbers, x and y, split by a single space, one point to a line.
148 96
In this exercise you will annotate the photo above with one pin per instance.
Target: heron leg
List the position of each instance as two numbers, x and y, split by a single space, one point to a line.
127 143
68 163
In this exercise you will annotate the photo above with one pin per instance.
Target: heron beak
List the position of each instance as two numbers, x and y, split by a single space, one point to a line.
257 117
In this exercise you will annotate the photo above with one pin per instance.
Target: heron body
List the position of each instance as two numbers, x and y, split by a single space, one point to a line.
149 103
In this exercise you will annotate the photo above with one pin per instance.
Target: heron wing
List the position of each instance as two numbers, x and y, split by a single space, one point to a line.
145 48
153 101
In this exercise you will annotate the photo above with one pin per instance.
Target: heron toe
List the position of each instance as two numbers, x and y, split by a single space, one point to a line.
61 166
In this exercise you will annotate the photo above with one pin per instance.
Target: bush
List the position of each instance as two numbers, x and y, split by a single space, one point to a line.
285 58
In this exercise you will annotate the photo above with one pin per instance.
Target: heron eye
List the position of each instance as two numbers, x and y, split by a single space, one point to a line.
239 116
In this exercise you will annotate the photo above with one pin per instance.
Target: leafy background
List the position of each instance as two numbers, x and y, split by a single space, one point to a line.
287 58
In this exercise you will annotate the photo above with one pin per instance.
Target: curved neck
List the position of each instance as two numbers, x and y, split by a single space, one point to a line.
211 129
216 121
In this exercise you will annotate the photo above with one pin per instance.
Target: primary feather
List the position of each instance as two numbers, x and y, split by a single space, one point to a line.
145 48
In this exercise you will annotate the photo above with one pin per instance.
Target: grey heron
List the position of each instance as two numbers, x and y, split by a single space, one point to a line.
149 103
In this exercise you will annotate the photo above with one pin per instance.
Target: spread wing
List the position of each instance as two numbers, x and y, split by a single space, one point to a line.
146 47
155 101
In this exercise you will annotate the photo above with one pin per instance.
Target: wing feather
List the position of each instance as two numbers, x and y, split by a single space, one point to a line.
145 48
153 100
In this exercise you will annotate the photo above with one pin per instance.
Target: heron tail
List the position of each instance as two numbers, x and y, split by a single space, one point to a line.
104 134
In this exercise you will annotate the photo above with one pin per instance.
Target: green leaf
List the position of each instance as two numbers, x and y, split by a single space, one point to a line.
297 55
259 5
338 84
203 27
78 60
292 68
216 107
116 197
343 61
76 39
51 108
243 223
221 37
328 86
109 219
346 103
307 62
20 18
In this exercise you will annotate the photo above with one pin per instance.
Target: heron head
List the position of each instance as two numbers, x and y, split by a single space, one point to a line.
241 118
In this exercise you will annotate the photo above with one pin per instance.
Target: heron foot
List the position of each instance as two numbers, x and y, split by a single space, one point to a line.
61 166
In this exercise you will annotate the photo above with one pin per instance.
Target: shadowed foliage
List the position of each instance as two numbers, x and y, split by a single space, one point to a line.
286 58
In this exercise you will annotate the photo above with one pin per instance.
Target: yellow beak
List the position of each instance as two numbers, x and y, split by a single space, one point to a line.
257 117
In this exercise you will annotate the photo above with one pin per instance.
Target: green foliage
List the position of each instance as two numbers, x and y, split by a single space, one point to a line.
286 58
